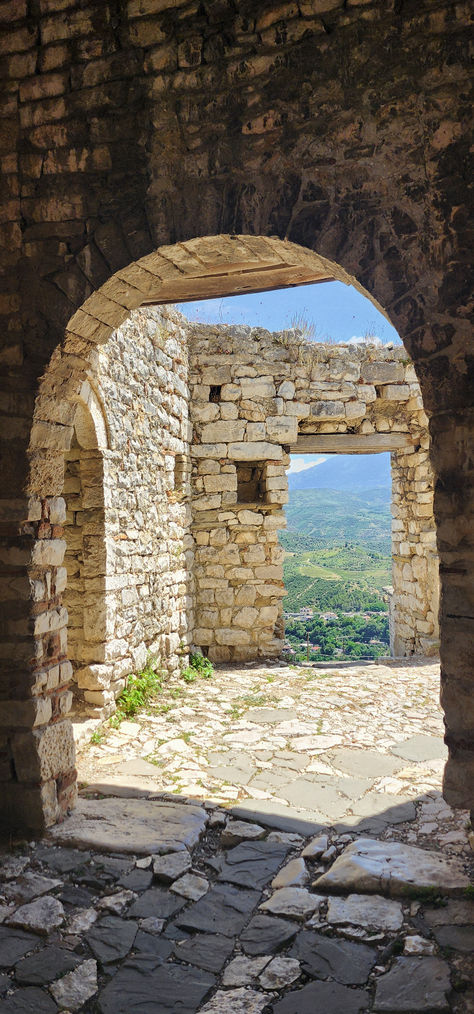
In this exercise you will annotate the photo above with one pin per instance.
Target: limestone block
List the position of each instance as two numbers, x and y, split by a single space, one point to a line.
254 554
272 573
218 537
257 387
298 409
219 653
209 450
268 614
282 428
26 714
225 430
208 467
355 409
277 482
277 496
60 581
43 754
286 390
245 596
48 552
206 412
231 392
229 410
246 617
257 451
395 392
220 483
208 618
230 636
216 375
57 510
254 518
366 392
328 410
256 431
203 636
383 372
253 411
206 503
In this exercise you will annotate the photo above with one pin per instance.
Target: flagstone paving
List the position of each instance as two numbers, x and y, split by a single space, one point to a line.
162 903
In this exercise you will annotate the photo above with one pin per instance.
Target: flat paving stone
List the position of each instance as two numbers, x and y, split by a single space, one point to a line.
266 934
14 944
63 860
152 944
325 957
253 863
279 973
137 826
460 938
170 867
191 886
392 868
276 815
270 716
30 886
72 991
412 985
41 916
156 901
5 984
386 808
224 909
136 880
243 971
296 902
368 764
327 997
294 874
206 950
237 1001
369 911
456 912
237 831
421 748
111 939
31 1000
45 966
142 981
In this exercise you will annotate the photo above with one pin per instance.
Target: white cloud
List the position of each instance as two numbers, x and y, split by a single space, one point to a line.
364 340
300 464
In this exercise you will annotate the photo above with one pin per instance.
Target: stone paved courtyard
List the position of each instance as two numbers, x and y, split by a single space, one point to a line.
345 890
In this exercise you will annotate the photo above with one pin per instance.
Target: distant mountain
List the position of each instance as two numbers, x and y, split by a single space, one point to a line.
355 472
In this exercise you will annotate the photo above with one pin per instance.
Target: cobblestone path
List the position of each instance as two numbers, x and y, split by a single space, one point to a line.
344 891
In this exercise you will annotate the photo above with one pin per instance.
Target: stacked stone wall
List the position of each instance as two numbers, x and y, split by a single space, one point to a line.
254 397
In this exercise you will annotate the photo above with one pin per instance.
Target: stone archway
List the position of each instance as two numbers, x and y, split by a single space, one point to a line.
200 267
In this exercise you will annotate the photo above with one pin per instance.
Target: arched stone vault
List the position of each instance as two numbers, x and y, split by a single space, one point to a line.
121 136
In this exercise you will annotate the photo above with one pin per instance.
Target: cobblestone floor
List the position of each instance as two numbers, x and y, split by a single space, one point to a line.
345 891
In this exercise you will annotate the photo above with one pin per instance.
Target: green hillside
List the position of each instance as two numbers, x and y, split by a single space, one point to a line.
325 517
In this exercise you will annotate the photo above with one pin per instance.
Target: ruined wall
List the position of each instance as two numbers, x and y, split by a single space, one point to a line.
254 397
138 575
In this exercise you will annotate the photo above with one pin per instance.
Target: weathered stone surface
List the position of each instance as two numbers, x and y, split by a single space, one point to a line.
236 831
296 902
365 763
72 991
343 960
392 868
46 965
116 903
190 886
40 916
252 863
158 902
142 979
31 1000
236 1001
460 938
14 944
420 748
30 886
111 939
243 971
169 867
266 934
456 912
142 827
330 997
367 911
224 909
206 950
280 972
414 984
293 874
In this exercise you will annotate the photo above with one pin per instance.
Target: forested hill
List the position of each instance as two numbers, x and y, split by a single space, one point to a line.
354 472
324 517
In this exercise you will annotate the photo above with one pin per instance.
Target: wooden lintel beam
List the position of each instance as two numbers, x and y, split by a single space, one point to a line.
351 443
186 289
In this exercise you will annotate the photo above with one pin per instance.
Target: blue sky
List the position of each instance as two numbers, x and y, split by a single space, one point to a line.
337 311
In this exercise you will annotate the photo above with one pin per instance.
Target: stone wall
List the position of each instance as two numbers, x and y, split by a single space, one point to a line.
255 397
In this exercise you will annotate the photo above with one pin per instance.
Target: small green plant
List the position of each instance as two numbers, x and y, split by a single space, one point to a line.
97 736
140 688
198 666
